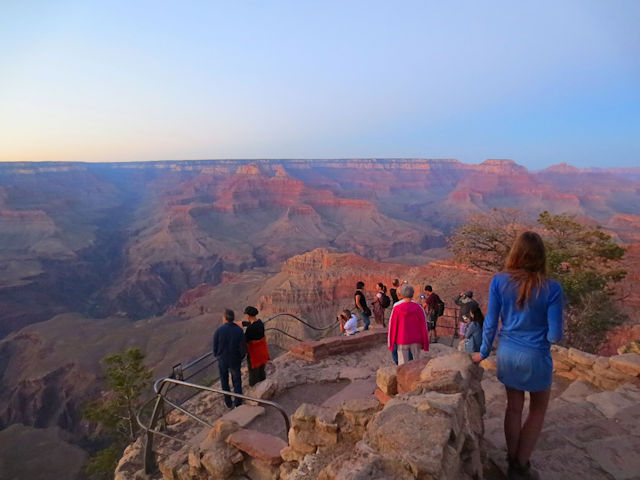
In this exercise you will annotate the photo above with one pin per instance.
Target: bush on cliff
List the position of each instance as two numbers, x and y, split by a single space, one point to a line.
584 259
114 413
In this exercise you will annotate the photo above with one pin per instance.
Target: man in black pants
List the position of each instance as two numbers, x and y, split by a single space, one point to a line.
229 348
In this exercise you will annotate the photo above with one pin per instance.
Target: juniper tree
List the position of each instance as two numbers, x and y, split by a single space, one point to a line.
582 258
114 412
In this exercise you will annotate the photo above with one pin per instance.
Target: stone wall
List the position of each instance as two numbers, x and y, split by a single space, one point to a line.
433 431
226 452
314 351
607 373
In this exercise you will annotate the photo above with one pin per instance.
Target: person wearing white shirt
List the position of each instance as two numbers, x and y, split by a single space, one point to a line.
348 322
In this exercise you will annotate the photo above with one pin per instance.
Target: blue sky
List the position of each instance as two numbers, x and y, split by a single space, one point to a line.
539 82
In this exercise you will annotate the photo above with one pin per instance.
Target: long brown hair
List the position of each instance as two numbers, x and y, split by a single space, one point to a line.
527 264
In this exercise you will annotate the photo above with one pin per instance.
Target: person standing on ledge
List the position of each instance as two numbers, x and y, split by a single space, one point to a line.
466 303
229 348
430 303
362 310
530 308
407 327
257 348
393 291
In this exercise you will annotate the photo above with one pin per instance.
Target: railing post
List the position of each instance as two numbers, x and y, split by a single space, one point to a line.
149 457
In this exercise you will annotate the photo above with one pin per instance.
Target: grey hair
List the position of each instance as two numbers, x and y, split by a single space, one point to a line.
407 291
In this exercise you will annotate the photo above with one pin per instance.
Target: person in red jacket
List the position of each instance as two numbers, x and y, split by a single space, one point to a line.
257 349
408 327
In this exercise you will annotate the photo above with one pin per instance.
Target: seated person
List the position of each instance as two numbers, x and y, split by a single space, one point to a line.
348 322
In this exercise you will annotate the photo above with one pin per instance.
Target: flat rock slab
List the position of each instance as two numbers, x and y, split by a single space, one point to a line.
611 403
567 463
578 391
617 456
243 415
354 373
360 389
258 445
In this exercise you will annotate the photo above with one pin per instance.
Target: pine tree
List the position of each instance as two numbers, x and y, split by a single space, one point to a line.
114 413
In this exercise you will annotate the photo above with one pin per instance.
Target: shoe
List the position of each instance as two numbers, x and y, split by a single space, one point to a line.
521 472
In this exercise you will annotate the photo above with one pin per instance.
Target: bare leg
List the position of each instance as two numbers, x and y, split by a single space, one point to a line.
532 426
513 421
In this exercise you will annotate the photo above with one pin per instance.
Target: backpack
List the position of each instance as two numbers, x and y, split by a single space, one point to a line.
385 301
439 307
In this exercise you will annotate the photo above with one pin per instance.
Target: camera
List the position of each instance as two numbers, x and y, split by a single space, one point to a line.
421 296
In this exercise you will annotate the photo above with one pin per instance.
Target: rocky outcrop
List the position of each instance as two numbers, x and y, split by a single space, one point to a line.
425 433
433 431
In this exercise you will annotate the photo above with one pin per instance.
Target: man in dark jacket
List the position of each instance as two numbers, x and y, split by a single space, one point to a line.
229 348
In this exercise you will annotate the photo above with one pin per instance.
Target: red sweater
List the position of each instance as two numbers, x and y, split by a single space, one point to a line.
407 325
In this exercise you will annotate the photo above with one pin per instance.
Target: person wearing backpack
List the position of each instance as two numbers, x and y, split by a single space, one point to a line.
380 302
362 310
434 308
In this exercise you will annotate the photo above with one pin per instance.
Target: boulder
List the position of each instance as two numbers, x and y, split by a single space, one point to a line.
217 465
450 373
264 390
259 470
402 432
382 397
222 429
387 380
408 375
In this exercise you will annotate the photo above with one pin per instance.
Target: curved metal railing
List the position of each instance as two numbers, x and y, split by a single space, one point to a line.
190 370
318 329
149 460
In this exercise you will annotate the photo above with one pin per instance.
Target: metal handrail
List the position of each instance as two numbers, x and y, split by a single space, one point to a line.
160 399
319 329
159 383
163 385
283 332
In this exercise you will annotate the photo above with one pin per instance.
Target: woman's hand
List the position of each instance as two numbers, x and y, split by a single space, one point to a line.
476 357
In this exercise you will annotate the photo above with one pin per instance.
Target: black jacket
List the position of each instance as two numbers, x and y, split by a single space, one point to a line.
229 344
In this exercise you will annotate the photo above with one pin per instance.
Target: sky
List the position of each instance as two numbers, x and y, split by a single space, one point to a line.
540 82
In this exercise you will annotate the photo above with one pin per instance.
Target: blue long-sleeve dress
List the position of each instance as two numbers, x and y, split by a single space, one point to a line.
526 334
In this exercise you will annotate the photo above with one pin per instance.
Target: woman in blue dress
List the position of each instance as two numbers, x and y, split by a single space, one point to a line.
529 306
